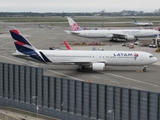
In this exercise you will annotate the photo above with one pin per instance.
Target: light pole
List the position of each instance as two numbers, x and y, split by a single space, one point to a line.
37 108
102 14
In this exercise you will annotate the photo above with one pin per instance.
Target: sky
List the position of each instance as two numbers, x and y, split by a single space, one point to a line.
78 5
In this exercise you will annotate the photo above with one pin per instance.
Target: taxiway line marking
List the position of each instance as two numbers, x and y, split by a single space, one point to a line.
63 74
6 44
115 82
136 88
96 77
147 83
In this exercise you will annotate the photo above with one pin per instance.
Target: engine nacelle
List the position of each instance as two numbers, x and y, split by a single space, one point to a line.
129 37
98 66
109 36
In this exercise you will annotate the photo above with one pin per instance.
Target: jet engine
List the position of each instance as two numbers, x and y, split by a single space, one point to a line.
98 66
129 37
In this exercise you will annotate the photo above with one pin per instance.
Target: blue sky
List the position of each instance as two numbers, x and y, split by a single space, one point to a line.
78 5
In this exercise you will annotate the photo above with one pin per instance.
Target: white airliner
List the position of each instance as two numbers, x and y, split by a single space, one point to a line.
96 60
142 23
127 34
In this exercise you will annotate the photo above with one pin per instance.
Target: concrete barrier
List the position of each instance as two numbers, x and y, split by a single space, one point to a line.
25 113
4 116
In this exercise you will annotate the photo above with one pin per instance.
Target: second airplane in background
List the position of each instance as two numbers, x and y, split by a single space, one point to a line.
142 23
116 35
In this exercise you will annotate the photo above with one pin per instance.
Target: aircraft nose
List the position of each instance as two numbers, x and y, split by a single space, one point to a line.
155 59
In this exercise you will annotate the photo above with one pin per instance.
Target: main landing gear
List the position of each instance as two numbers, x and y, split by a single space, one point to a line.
144 69
80 69
83 68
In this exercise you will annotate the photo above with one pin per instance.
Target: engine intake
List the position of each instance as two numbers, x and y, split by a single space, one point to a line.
98 66
129 37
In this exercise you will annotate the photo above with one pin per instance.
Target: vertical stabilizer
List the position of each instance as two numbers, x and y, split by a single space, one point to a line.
135 20
24 47
74 26
21 43
67 45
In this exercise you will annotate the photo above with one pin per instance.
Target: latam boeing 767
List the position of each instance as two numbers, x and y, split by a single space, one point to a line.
96 60
116 35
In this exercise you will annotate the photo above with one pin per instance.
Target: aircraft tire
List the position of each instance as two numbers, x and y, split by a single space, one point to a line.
78 70
82 70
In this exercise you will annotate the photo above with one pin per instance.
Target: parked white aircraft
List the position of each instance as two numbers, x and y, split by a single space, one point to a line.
127 34
142 23
96 60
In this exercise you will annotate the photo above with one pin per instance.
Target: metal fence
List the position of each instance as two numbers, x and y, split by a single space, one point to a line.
24 87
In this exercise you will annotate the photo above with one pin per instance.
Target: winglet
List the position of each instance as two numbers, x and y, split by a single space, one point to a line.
67 45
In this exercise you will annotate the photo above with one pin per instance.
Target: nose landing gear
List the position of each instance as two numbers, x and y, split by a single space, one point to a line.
144 69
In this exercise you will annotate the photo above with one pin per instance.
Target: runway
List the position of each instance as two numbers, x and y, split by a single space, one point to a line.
43 38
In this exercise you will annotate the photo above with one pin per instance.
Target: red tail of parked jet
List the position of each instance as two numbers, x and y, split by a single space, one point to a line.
67 45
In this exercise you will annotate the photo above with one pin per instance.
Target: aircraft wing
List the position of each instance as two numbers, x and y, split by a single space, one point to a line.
119 35
85 63
88 63
123 36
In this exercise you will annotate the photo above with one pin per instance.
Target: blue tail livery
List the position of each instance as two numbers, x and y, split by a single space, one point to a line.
24 47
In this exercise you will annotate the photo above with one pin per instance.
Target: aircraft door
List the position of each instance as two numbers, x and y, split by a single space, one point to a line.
141 57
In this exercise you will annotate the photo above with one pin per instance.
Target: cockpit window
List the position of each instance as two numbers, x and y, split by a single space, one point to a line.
150 56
